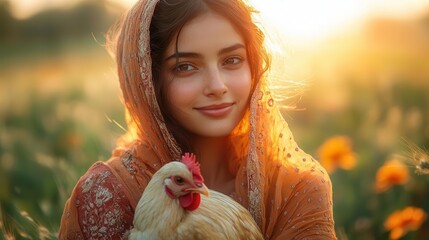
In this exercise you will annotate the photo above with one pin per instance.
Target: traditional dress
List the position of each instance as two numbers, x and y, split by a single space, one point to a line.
287 192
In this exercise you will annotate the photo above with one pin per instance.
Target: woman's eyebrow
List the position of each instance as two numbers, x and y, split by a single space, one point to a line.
231 48
183 55
197 55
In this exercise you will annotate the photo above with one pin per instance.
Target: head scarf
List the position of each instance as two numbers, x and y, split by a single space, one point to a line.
259 145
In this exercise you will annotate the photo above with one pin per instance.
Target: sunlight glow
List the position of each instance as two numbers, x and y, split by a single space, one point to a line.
309 20
300 21
306 21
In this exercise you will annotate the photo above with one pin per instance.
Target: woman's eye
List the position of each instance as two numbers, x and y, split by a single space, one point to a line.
179 180
233 61
184 68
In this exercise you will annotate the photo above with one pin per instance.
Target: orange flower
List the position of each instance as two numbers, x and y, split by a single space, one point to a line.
337 152
393 172
402 221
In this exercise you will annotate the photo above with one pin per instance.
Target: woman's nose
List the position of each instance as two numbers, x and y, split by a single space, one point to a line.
215 83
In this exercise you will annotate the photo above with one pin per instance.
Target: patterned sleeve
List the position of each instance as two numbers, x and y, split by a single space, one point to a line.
98 207
305 202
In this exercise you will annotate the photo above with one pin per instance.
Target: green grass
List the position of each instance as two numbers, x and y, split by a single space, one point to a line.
56 111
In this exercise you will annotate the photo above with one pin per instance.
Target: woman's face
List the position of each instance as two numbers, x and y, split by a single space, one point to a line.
208 85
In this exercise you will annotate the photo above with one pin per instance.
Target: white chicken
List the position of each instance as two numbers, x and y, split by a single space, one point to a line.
177 205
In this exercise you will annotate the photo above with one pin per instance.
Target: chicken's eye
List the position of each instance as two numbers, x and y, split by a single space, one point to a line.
179 180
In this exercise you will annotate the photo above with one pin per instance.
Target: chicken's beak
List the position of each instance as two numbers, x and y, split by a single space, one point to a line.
200 188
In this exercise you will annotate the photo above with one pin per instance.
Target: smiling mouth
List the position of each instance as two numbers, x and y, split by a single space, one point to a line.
216 110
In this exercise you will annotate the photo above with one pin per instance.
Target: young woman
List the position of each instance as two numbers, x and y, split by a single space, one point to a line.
193 77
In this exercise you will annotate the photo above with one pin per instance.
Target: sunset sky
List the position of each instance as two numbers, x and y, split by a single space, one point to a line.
303 20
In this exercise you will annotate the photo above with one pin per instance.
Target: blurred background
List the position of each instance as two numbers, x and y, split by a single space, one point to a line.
362 71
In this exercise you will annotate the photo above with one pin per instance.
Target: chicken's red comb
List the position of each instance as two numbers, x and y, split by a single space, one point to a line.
190 161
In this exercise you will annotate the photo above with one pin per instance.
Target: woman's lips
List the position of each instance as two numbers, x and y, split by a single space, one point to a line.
216 110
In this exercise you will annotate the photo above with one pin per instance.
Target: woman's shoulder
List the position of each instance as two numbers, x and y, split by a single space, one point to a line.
101 196
302 199
98 207
304 176
301 167
99 176
103 200
300 178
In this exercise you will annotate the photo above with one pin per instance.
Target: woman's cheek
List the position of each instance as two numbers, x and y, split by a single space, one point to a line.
183 92
242 83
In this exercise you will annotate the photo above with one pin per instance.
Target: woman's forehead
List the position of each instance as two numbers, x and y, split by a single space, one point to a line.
204 33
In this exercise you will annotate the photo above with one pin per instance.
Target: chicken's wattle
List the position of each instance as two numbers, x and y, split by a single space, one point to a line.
190 201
